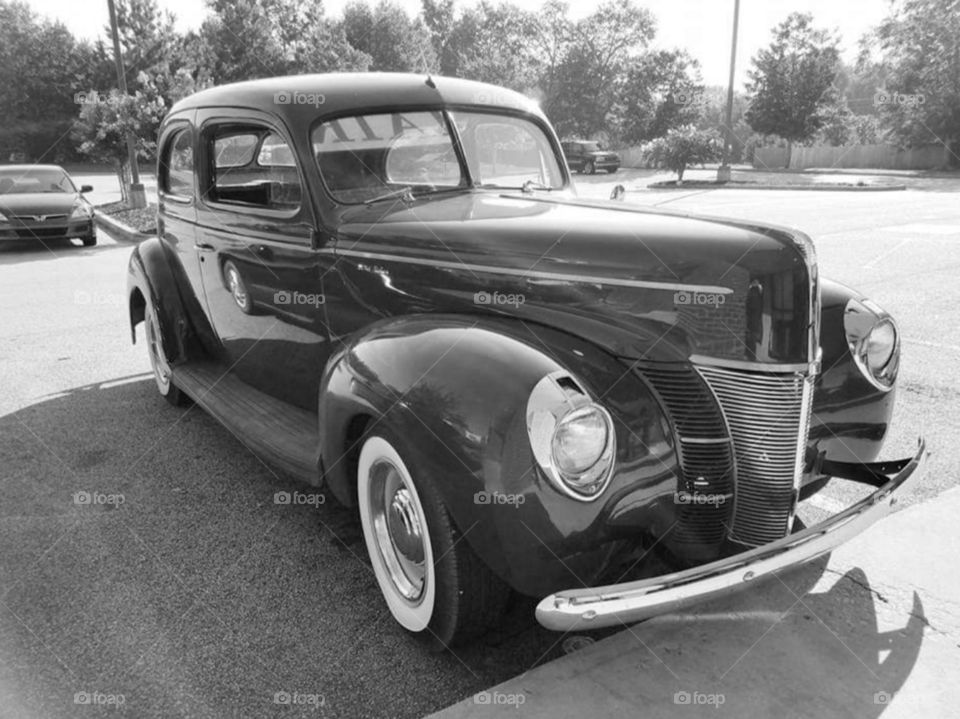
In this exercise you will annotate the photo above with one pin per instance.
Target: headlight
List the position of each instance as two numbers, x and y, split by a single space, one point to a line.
579 440
571 436
874 342
81 212
3 218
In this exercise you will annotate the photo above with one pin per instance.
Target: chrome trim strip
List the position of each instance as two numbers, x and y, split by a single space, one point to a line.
748 366
538 274
620 604
806 406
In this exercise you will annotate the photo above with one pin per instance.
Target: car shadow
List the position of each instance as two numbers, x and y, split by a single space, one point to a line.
149 555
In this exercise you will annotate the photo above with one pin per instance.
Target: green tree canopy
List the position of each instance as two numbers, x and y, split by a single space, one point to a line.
793 79
919 46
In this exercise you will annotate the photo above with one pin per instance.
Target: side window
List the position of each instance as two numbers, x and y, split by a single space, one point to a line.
251 166
176 165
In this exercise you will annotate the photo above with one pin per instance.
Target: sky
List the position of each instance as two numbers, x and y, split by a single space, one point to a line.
703 27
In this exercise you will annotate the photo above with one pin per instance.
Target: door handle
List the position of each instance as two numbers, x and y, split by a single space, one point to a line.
203 246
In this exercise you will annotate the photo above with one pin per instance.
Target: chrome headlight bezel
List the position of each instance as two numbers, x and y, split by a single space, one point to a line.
863 321
80 212
555 402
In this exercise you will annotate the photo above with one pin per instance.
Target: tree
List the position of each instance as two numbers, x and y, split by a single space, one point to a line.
592 54
660 90
919 47
792 80
41 65
106 120
394 41
241 40
682 147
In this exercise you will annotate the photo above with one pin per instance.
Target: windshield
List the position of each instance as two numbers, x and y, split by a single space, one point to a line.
19 182
505 151
591 147
390 155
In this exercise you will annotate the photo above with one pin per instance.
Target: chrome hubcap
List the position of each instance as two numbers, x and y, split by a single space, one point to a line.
161 369
236 287
399 529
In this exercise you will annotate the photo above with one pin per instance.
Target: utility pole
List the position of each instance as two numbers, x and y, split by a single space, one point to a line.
723 173
138 197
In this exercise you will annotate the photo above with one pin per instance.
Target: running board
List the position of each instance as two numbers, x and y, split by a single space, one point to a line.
274 430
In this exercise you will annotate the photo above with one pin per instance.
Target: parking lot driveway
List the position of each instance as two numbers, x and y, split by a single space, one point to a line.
198 596
142 553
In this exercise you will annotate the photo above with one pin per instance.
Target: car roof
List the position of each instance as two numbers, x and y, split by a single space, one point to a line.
25 168
359 91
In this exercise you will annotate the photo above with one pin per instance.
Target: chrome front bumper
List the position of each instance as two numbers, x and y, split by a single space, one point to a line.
616 604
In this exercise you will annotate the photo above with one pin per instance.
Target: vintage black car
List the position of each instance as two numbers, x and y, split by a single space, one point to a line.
588 157
40 202
386 285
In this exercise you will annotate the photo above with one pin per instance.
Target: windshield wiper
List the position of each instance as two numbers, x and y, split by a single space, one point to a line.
404 193
409 195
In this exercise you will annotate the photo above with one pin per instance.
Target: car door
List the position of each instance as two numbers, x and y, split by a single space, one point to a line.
261 272
176 208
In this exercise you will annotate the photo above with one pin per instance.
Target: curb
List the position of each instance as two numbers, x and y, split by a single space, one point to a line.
789 188
118 230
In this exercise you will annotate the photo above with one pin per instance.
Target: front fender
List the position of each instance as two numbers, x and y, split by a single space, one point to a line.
154 275
850 416
456 389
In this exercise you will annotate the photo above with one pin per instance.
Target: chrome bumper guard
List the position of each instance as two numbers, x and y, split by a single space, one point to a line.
612 605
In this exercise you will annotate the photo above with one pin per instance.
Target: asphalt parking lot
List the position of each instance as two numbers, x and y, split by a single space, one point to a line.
192 594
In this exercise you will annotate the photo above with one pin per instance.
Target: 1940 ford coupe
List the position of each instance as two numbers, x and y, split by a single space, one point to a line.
386 285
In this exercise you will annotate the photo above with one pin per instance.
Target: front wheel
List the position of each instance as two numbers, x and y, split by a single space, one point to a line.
589 168
433 583
89 240
162 373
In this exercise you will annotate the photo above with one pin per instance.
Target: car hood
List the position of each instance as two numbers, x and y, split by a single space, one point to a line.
38 203
694 285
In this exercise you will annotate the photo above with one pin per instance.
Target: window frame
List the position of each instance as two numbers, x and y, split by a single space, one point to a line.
175 130
446 109
208 172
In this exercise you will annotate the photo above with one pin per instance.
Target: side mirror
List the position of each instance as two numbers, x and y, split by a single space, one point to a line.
86 188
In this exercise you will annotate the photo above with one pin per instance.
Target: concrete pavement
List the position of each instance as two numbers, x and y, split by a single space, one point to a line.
872 630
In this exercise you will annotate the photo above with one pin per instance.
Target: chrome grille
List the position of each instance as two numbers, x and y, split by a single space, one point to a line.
706 459
769 418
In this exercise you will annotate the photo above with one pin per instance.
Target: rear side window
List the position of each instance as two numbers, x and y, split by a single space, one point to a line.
252 166
176 165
